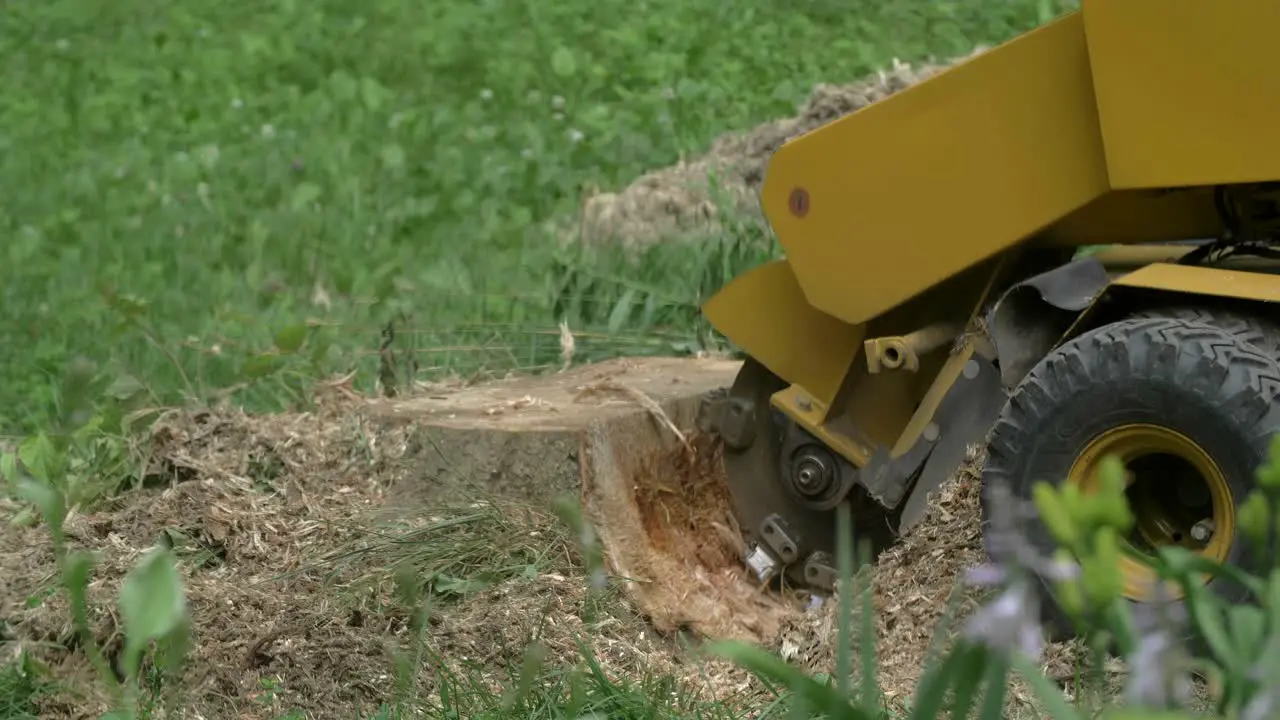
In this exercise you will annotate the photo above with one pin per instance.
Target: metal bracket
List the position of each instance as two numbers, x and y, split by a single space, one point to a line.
780 538
819 572
730 418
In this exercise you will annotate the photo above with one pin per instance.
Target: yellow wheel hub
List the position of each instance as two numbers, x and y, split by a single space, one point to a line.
1177 493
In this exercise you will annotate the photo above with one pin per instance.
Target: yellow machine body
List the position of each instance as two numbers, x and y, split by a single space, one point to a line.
1117 125
882 204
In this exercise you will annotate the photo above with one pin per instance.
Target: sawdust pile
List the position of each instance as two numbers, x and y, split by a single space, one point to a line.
249 499
915 583
287 553
684 201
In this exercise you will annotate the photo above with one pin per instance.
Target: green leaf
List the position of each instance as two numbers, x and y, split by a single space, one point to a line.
1119 619
997 689
343 85
1182 562
1208 622
75 574
968 678
260 366
373 94
621 311
1247 625
931 691
393 156
289 339
75 578
40 457
1271 601
151 603
303 195
8 467
48 501
563 63
125 387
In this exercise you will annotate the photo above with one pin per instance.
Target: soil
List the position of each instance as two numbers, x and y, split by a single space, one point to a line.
681 202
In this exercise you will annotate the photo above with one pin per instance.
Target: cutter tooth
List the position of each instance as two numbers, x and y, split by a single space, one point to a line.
762 563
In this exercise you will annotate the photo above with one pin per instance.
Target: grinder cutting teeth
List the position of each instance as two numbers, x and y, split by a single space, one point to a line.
786 482
769 496
932 301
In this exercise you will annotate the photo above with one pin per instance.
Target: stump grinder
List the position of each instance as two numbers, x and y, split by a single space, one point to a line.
1060 249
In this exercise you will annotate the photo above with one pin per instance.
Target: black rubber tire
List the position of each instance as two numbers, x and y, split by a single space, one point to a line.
1255 330
1196 378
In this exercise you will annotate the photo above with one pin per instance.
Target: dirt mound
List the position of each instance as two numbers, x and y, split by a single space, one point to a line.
691 197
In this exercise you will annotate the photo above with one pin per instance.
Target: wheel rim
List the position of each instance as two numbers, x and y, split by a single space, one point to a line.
1172 485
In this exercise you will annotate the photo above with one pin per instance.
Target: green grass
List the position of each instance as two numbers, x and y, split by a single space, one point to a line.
184 180
219 162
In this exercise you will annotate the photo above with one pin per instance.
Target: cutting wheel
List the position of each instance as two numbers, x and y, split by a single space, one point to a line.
770 513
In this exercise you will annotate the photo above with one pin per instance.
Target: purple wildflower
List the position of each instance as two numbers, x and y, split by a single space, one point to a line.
1011 622
1158 676
1159 667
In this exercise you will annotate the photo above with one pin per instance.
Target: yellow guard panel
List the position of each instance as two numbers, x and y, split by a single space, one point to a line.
764 312
1187 90
1207 281
883 203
